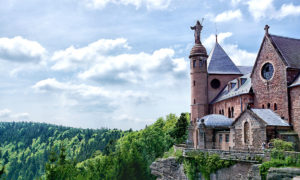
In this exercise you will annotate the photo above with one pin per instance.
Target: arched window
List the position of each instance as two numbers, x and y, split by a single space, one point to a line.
269 105
232 112
246 133
263 106
194 101
275 106
229 113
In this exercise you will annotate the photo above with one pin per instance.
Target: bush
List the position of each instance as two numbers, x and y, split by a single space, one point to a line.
282 145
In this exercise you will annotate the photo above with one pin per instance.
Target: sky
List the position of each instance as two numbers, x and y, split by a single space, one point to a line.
120 63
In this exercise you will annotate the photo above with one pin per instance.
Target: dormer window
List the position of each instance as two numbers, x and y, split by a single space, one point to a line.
232 85
243 80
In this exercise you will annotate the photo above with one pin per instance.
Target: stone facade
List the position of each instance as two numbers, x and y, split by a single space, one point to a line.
256 135
295 108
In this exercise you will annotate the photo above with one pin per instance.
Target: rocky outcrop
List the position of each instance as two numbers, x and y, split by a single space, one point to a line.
239 171
282 173
168 169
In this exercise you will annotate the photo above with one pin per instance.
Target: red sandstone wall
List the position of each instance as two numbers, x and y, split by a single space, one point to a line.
295 108
234 102
224 79
274 90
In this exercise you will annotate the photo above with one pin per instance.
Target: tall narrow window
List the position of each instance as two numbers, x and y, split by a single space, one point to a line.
223 111
229 113
220 112
220 138
194 63
269 105
275 106
263 106
227 138
232 112
194 83
194 101
246 133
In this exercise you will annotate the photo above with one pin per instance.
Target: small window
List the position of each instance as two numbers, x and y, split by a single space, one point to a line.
229 112
194 83
194 101
220 138
275 106
227 137
220 112
243 80
263 106
269 105
232 85
232 112
200 63
194 63
223 111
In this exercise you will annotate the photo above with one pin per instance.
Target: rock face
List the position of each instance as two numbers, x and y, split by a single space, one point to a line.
168 169
282 173
239 171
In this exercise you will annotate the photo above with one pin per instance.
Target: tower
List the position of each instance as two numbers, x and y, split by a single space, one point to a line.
199 95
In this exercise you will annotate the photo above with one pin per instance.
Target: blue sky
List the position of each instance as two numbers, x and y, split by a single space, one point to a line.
119 63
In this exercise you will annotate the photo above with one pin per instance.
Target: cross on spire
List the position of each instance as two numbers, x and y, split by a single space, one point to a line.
267 29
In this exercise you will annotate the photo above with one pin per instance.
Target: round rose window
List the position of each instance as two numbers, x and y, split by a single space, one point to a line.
267 71
215 83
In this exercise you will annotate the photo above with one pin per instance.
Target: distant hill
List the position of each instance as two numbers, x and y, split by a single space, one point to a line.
25 146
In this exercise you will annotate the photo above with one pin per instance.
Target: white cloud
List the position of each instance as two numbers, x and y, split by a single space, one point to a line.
150 4
71 58
235 2
18 49
135 67
5 113
288 10
211 40
266 9
8 115
85 91
228 16
237 55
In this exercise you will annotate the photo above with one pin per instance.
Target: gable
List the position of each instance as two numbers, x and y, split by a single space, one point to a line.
267 41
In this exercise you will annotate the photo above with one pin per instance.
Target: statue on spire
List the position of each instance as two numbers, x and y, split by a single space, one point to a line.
197 28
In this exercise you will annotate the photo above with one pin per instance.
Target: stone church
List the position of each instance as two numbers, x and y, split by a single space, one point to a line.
240 107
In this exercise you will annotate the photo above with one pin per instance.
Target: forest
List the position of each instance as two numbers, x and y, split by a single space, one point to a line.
44 151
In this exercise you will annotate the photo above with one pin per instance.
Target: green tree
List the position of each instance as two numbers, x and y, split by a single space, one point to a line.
179 133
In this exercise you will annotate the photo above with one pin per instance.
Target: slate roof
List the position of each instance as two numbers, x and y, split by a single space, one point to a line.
236 91
289 48
220 62
216 120
296 82
269 117
245 69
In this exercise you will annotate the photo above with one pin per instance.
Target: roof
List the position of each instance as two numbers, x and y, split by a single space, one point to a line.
296 82
216 120
236 91
289 48
245 69
269 117
220 62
